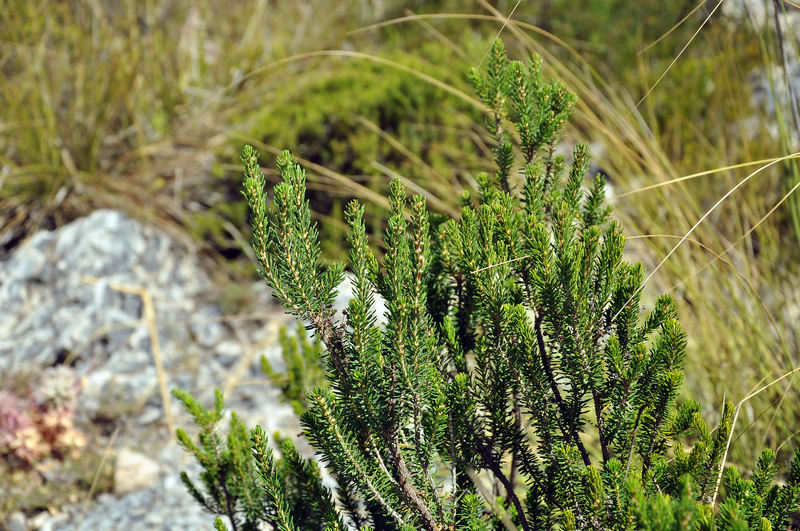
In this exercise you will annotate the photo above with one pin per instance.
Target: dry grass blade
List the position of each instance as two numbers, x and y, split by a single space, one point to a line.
497 18
505 23
440 36
720 256
607 116
746 234
680 53
717 256
673 28
152 327
234 379
95 479
708 213
733 425
605 111
438 180
700 174
431 199
360 55
348 184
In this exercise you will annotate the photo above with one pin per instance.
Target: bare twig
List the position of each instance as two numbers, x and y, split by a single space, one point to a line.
494 466
680 53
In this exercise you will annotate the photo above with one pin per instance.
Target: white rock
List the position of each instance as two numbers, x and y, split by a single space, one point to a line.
54 522
16 522
346 293
134 471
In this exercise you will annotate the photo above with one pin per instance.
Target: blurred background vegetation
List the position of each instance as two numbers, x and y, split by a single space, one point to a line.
143 105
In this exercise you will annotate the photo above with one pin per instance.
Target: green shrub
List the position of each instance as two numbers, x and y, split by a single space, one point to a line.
304 368
516 381
369 121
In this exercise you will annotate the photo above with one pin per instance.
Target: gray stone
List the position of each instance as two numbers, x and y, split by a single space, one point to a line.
44 286
150 415
206 330
129 361
29 265
139 339
39 520
774 91
229 352
106 499
53 313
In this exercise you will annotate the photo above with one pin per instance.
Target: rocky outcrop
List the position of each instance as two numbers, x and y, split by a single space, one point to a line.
75 298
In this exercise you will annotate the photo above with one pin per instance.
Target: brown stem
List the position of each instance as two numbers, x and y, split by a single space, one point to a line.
492 464
332 337
228 505
512 475
659 419
598 412
633 439
453 471
425 461
598 408
571 433
407 487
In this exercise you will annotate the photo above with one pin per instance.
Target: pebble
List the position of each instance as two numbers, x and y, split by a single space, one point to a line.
134 471
16 521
